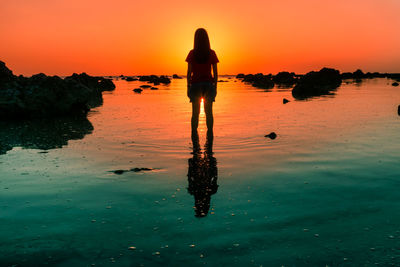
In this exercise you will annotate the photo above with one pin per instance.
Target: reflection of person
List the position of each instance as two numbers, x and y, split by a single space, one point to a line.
200 82
202 175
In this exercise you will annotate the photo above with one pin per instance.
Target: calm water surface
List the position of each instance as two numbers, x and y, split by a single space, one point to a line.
324 192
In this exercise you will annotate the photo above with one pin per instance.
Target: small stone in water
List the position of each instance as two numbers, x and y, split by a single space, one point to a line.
391 237
201 256
345 259
156 253
372 249
192 245
235 245
132 248
316 235
305 230
93 221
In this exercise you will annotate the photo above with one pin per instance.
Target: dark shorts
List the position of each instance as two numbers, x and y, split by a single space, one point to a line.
204 90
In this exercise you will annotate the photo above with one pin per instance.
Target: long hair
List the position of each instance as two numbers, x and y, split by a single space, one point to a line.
201 47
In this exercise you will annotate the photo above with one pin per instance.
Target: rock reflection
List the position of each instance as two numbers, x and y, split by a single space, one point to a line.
42 133
202 174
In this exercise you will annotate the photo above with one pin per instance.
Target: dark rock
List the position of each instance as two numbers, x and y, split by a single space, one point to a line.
358 74
138 90
6 74
284 77
398 110
131 79
175 76
49 96
271 135
93 82
119 171
317 83
285 101
140 169
240 76
223 81
145 86
259 80
395 84
155 79
154 88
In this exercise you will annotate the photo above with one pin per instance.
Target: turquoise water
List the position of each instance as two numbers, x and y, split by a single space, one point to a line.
324 192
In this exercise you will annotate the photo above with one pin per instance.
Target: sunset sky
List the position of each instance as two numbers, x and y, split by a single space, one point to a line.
59 37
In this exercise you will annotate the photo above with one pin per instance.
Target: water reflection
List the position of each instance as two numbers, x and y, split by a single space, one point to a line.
202 174
42 133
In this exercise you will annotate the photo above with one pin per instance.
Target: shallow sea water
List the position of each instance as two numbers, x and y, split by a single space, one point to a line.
324 192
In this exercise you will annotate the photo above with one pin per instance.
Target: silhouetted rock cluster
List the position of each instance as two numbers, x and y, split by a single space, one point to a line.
156 80
130 79
268 81
48 96
285 78
359 74
175 76
395 84
317 83
259 80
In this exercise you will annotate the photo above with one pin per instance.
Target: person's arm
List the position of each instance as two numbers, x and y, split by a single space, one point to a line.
215 76
188 75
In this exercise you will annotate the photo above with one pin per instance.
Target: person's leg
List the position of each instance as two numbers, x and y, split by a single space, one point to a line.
195 114
209 114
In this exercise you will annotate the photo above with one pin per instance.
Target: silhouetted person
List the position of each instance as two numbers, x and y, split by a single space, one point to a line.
200 82
202 174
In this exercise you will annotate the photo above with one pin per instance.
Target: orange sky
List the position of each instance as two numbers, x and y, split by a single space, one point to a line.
153 37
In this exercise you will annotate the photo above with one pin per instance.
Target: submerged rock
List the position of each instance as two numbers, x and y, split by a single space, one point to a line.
119 172
317 83
395 84
154 88
285 101
49 96
271 135
138 90
145 86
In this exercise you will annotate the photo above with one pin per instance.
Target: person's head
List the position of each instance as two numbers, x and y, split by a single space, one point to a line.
201 46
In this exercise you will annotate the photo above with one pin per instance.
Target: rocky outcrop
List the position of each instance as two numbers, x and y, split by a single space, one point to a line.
175 76
317 83
259 80
131 79
49 96
285 78
156 80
